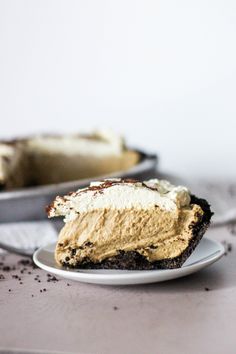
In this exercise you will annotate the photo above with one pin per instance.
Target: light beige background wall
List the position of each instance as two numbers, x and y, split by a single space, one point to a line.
161 72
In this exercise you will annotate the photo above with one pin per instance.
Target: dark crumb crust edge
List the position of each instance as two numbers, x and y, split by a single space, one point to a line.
132 260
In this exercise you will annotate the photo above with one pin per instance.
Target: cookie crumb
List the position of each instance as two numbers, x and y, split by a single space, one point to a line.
6 269
228 247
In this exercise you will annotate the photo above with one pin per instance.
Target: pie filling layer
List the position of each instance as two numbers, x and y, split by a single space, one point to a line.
100 234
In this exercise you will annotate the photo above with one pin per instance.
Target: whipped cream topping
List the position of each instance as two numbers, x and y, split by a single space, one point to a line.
100 143
6 150
120 194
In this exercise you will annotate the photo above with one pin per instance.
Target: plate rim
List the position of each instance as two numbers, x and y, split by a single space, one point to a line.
83 275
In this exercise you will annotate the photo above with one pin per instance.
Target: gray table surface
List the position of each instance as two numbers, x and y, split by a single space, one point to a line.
179 316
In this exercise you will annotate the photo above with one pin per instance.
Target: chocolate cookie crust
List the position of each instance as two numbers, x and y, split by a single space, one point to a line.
132 260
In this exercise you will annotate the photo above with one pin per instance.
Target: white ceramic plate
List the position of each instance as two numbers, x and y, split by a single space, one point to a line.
206 253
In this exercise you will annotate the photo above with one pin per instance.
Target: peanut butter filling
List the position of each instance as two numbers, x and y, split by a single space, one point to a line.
99 234
55 168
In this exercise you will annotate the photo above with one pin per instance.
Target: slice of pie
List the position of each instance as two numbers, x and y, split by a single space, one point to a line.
50 159
126 224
